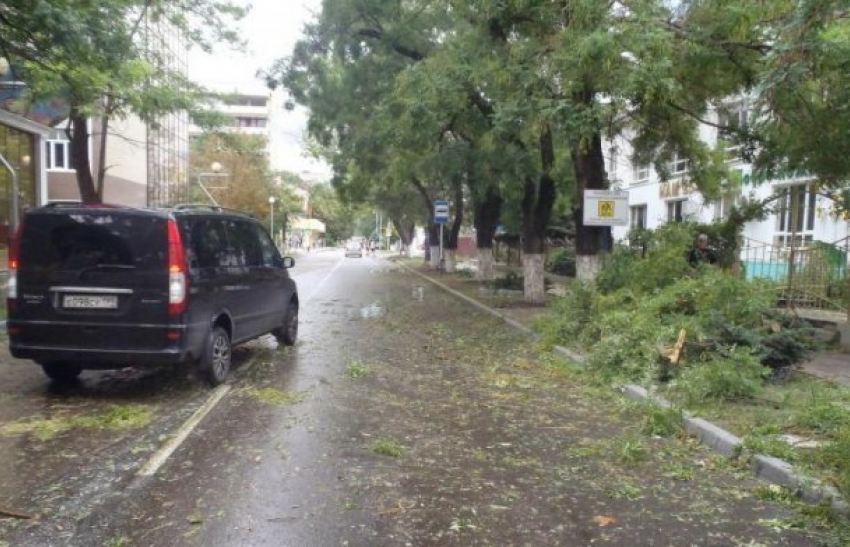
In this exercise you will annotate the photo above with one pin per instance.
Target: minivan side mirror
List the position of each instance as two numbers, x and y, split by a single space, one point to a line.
288 262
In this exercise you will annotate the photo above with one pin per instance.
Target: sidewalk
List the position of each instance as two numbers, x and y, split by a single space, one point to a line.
830 365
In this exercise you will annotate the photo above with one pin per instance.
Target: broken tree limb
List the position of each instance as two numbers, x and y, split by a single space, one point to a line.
14 515
676 352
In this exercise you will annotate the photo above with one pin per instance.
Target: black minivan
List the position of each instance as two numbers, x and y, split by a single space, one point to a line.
102 287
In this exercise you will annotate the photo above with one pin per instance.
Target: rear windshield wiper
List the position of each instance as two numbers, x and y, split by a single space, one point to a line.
106 267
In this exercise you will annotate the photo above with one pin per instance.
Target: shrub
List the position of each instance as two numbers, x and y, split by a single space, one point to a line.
730 375
572 318
562 261
661 421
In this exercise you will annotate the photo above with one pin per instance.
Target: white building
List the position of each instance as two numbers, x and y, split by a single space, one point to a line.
244 114
146 165
802 216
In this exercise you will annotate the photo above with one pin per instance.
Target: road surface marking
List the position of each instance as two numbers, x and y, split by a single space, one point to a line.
158 459
160 456
323 281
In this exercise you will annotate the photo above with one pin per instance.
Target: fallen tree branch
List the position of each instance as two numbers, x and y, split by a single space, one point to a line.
14 515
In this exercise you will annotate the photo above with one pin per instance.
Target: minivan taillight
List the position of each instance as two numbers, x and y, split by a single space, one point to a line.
177 281
14 254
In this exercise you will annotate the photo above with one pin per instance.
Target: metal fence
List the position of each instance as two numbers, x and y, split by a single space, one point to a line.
809 275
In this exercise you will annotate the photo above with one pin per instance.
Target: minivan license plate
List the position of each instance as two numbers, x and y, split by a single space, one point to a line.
79 301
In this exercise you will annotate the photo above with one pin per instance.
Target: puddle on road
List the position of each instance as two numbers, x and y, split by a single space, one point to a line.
372 311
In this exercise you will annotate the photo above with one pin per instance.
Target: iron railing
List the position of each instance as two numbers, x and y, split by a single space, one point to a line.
810 275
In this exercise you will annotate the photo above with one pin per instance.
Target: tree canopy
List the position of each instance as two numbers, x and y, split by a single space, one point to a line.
106 60
512 101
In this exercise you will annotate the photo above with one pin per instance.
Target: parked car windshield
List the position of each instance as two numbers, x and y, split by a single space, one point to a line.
57 242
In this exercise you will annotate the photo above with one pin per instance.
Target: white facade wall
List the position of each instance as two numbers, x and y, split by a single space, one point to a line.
656 195
126 150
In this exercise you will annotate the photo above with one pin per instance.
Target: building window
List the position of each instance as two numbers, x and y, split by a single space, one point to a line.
728 200
637 217
795 223
250 122
641 173
58 156
676 210
678 165
732 120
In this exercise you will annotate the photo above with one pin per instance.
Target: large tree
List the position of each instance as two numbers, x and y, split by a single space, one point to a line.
103 59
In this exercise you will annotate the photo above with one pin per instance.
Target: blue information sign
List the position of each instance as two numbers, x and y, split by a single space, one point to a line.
441 212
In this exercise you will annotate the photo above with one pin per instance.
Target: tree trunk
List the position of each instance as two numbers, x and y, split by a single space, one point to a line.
450 260
79 137
534 285
101 161
537 202
486 264
591 241
405 231
453 233
588 267
589 166
488 212
434 245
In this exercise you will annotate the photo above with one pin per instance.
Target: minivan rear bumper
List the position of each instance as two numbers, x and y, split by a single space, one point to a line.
100 358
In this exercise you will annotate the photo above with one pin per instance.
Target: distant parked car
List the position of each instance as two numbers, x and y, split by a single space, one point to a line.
104 287
352 248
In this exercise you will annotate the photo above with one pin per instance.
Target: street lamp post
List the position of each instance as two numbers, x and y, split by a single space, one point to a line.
216 173
271 222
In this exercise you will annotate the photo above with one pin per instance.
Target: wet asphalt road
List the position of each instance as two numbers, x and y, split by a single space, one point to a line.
401 417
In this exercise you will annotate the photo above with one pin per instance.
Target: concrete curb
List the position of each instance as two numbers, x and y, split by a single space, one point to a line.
767 468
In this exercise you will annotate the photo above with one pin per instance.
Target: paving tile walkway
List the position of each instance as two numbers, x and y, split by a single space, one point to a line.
831 365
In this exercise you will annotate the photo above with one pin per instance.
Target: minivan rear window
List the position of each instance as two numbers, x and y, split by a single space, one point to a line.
77 241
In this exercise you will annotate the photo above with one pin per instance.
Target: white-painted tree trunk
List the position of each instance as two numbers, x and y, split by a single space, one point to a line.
407 251
451 260
486 265
534 287
588 267
435 257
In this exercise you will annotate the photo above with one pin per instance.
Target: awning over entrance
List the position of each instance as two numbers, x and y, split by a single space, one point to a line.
308 224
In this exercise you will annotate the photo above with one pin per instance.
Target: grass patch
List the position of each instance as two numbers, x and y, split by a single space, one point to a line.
660 421
272 396
630 450
357 370
115 418
387 447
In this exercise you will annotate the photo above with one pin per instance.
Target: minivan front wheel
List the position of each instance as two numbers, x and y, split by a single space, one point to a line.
288 332
64 373
215 362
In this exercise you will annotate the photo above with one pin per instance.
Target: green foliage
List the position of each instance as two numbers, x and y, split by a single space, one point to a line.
834 456
562 261
96 57
661 421
387 447
731 375
631 319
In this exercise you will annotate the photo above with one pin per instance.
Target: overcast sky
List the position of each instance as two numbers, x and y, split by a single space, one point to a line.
271 29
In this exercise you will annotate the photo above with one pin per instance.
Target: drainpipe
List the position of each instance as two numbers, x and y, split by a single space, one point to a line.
13 207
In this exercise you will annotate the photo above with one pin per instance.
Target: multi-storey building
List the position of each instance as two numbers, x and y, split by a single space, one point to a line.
801 215
146 164
243 113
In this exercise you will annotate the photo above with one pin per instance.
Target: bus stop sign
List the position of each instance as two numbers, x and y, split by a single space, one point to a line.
441 212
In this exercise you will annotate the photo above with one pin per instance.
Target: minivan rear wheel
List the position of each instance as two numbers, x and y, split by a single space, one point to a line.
65 373
214 365
288 332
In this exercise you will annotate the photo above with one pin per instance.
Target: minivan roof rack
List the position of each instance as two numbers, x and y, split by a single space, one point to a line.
55 204
208 207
